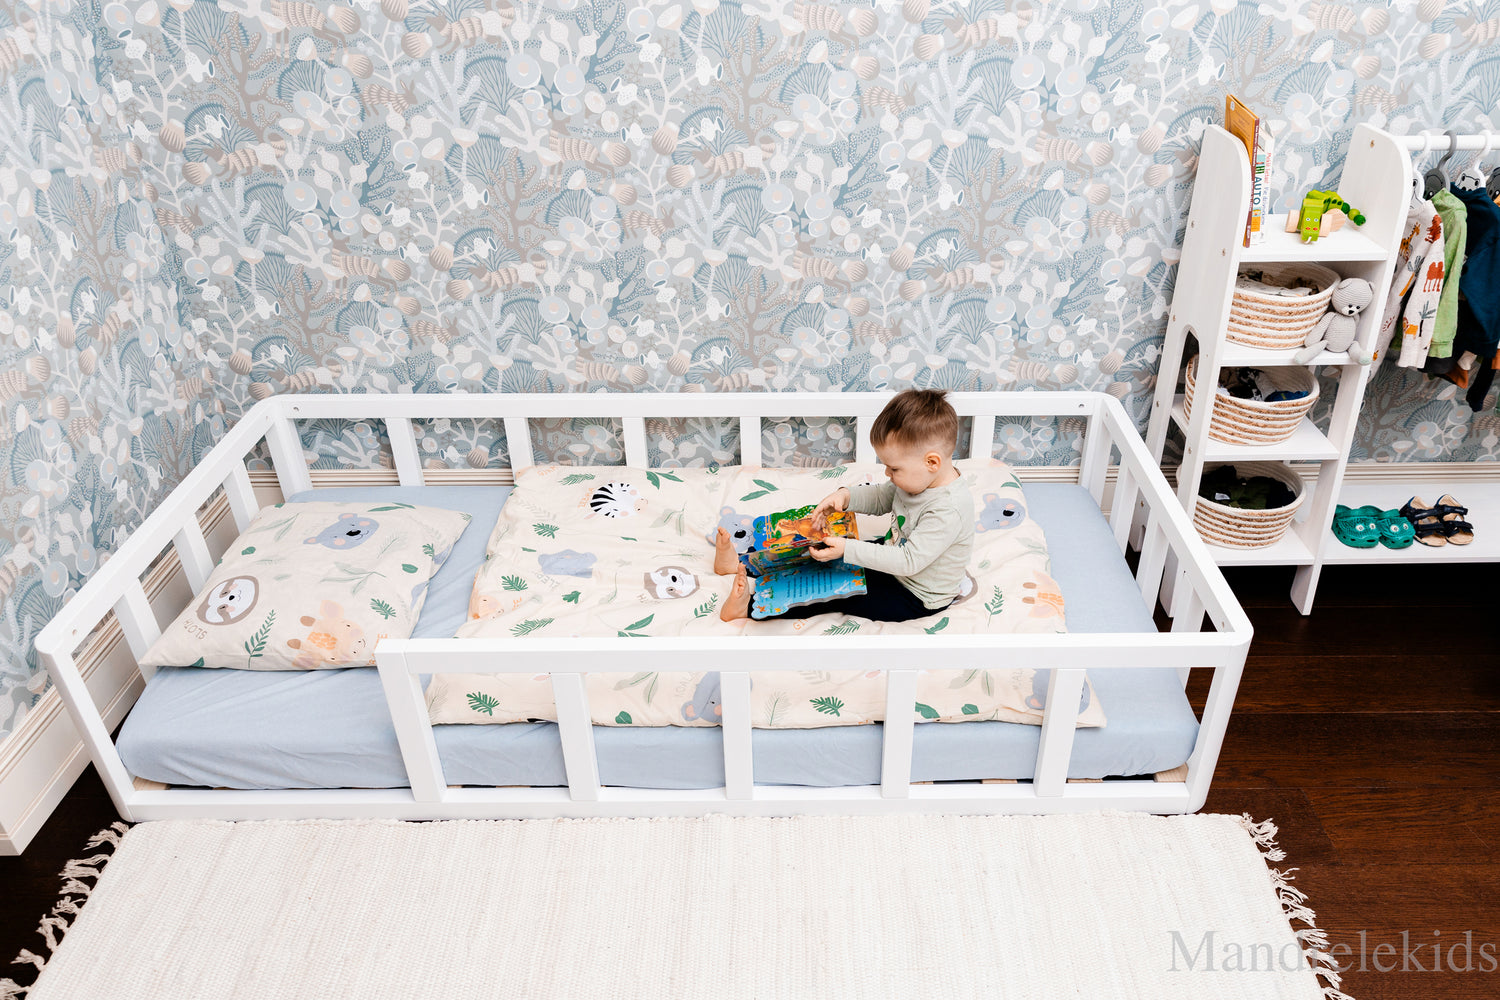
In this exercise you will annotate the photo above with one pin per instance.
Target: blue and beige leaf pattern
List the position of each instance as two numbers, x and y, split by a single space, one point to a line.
206 203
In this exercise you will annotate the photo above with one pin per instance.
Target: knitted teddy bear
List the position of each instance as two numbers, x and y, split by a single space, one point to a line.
1337 330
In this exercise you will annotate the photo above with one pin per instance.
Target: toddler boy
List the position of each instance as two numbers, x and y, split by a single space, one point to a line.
917 568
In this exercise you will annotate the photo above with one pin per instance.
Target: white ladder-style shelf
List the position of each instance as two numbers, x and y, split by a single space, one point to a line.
1376 180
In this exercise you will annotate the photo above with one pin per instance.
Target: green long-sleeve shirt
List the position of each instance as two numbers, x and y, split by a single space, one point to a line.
931 537
1455 229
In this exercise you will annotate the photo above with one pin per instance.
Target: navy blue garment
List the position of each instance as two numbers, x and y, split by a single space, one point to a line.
1479 292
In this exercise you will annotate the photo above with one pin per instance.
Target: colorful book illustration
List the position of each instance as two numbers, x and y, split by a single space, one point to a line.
1246 126
788 575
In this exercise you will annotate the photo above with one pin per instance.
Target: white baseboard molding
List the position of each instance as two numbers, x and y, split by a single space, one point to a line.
40 761
42 758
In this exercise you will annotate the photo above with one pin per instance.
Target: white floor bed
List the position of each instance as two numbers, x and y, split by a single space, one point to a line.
332 729
388 760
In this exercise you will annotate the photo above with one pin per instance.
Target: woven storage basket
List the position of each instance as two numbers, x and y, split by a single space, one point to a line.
1275 322
1248 529
1245 421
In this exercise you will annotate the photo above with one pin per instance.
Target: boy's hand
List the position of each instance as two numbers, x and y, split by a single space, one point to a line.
828 550
837 500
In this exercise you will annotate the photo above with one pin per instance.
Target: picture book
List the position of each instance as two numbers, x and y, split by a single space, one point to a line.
788 575
1246 126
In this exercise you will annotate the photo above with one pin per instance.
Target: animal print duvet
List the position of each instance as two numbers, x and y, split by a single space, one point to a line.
614 551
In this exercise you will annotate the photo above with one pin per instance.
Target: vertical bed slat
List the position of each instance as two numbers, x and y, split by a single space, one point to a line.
864 451
1122 508
518 443
982 439
404 451
138 623
900 712
636 452
1094 466
287 457
734 697
1149 570
193 554
1188 616
576 729
1059 723
241 496
750 441
408 705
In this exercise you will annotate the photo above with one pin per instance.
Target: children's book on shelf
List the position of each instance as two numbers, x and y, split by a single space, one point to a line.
788 574
1246 125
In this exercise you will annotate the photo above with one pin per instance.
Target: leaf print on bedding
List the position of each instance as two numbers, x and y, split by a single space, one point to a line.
545 530
485 703
655 478
382 608
256 644
530 625
765 489
707 607
995 604
633 629
649 677
355 575
514 583
842 628
942 624
833 473
573 597
828 706
575 478
926 711
623 719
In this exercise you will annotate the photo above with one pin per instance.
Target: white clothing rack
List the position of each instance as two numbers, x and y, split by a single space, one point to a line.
1481 496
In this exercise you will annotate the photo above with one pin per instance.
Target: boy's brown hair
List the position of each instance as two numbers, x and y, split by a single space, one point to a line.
918 417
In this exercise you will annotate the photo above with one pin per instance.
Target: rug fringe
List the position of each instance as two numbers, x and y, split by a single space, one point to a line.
70 902
1294 905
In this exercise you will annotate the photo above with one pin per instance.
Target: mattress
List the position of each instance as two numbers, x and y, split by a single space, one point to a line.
332 729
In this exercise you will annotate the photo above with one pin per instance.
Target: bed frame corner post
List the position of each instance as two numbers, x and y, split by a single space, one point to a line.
1211 730
74 692
286 455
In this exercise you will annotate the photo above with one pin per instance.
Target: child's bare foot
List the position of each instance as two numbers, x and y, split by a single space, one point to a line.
726 560
737 605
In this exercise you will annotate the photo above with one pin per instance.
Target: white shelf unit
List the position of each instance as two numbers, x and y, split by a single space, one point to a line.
1376 180
1482 499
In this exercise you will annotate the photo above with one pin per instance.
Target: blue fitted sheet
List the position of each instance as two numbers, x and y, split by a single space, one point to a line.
331 728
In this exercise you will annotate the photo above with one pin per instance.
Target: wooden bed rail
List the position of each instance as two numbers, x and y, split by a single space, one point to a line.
1141 494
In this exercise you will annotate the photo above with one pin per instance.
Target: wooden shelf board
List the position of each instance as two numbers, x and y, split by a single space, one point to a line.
1232 355
1482 499
1290 550
1348 244
1307 444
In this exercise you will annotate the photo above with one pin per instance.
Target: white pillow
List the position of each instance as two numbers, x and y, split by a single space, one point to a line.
310 586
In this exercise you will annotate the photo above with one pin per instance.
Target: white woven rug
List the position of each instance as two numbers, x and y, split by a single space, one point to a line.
1095 905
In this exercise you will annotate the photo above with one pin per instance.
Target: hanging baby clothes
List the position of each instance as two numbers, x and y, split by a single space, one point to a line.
1415 288
1455 229
1479 307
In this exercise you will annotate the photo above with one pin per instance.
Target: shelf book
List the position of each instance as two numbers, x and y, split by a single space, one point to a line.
1248 127
788 575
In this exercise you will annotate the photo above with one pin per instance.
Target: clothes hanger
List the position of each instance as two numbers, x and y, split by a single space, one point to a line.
1493 187
1473 177
1417 183
1436 179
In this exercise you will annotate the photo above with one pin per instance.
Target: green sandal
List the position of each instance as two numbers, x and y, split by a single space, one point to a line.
1396 532
1356 527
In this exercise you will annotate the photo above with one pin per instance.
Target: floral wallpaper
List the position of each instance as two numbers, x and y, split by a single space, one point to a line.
205 203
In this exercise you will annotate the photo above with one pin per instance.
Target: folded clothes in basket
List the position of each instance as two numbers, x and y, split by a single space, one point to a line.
1254 384
1223 485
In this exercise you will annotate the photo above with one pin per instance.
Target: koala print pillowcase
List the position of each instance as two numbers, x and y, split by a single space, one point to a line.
309 586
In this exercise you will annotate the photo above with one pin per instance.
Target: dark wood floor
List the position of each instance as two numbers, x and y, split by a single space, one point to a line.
1369 731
